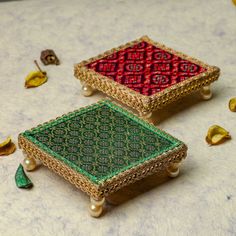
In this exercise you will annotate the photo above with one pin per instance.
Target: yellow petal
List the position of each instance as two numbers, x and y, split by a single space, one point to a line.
6 142
232 103
217 135
35 79
234 1
7 147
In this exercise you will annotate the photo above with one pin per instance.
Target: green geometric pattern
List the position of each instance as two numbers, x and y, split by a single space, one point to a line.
101 140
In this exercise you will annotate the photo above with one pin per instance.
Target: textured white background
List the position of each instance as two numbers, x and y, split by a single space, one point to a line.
202 201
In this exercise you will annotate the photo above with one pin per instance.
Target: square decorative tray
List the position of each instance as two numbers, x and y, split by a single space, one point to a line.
101 148
145 75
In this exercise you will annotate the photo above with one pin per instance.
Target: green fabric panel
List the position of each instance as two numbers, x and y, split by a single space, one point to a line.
101 140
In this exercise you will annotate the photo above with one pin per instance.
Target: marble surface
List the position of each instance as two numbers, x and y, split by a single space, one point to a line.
202 200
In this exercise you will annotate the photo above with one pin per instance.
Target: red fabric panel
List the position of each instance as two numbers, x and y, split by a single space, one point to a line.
145 68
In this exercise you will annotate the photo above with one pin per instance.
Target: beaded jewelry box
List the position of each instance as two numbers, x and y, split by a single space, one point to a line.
101 148
145 75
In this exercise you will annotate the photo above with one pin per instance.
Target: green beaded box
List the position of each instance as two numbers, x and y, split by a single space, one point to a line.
102 147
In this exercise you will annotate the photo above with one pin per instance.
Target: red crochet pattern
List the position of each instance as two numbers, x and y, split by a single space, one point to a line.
145 68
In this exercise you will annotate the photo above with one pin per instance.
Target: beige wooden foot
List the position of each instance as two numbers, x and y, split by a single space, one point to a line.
173 169
96 207
87 90
29 162
206 92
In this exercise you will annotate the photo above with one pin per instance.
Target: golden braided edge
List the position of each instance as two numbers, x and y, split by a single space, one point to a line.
136 100
59 167
143 170
111 185
184 90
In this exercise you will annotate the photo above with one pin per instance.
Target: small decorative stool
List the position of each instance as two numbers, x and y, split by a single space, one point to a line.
100 149
145 75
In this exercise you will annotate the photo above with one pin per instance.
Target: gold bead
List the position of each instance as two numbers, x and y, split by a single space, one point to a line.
207 96
29 164
206 92
95 211
87 90
173 170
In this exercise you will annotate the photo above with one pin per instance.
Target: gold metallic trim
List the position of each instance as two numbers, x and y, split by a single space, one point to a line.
109 186
140 102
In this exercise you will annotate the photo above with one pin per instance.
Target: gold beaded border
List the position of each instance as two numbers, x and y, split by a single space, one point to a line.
109 186
143 170
136 100
75 178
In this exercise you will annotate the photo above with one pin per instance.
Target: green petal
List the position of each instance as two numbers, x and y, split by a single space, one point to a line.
22 180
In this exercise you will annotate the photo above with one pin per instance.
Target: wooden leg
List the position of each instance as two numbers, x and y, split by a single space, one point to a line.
87 90
29 162
173 169
206 92
96 207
